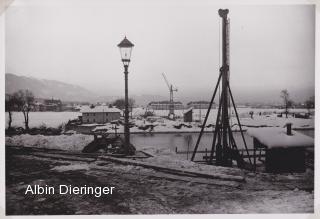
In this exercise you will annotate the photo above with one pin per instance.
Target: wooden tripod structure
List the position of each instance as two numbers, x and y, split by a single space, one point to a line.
224 145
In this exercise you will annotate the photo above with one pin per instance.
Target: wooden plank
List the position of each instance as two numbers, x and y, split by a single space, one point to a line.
243 156
190 179
63 157
203 152
175 170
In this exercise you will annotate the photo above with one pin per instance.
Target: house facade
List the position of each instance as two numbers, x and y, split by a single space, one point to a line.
200 104
100 114
164 105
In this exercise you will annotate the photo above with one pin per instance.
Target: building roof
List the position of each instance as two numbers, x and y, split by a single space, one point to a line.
276 137
188 110
199 102
100 109
164 102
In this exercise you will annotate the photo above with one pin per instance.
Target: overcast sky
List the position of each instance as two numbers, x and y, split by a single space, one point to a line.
75 41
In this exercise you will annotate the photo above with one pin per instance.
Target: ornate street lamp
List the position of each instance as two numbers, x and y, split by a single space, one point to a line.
125 47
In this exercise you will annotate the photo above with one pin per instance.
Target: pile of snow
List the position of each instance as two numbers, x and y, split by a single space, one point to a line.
169 159
277 137
106 127
75 142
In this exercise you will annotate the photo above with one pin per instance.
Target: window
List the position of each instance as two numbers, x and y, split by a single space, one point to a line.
94 120
106 114
87 120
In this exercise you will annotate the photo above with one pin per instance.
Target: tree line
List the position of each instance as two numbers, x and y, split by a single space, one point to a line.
288 102
21 101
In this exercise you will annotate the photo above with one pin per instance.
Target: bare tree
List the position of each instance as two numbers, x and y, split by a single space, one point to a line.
9 107
309 104
284 94
120 103
25 101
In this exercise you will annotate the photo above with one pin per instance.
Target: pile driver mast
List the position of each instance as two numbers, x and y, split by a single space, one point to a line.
224 147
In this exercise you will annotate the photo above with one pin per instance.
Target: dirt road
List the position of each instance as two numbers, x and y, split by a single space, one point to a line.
144 191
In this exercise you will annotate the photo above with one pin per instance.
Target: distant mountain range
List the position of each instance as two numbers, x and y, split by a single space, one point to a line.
42 88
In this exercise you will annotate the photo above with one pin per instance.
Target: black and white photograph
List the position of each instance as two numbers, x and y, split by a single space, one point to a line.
139 107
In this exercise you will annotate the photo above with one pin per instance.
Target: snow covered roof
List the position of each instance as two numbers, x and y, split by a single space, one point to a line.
100 109
277 137
188 110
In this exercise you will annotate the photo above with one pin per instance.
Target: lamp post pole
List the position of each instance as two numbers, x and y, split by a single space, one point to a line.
126 111
125 47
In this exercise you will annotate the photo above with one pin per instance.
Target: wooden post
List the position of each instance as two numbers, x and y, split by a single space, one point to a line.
206 155
255 142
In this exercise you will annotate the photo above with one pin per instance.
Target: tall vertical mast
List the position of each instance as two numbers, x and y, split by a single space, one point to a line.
225 80
224 148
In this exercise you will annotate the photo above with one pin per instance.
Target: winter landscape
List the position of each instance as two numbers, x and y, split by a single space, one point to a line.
227 141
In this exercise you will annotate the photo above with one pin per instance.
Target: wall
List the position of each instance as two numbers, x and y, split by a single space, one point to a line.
100 117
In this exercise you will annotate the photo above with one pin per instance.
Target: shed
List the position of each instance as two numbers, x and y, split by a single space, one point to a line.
187 115
284 149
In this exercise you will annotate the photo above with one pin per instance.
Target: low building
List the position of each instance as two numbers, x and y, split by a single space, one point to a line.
200 104
285 150
47 105
164 105
52 105
187 115
100 114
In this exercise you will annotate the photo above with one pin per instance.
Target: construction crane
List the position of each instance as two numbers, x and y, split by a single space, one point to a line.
171 103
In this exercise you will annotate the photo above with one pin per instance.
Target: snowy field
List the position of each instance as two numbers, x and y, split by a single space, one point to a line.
268 118
242 111
36 119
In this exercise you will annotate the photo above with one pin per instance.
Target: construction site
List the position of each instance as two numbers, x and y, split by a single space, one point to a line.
212 157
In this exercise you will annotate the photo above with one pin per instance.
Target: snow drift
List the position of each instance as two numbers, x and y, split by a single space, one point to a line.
75 142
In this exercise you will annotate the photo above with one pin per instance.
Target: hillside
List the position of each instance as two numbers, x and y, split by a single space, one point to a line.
66 92
48 88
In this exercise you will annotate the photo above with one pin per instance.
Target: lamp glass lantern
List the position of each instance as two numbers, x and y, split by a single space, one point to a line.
125 47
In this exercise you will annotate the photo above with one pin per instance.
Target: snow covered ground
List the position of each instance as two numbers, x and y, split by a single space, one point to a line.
162 125
75 142
242 111
36 119
267 118
145 191
261 194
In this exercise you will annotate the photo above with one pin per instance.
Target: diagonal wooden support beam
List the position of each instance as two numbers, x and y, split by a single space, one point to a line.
206 118
241 131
